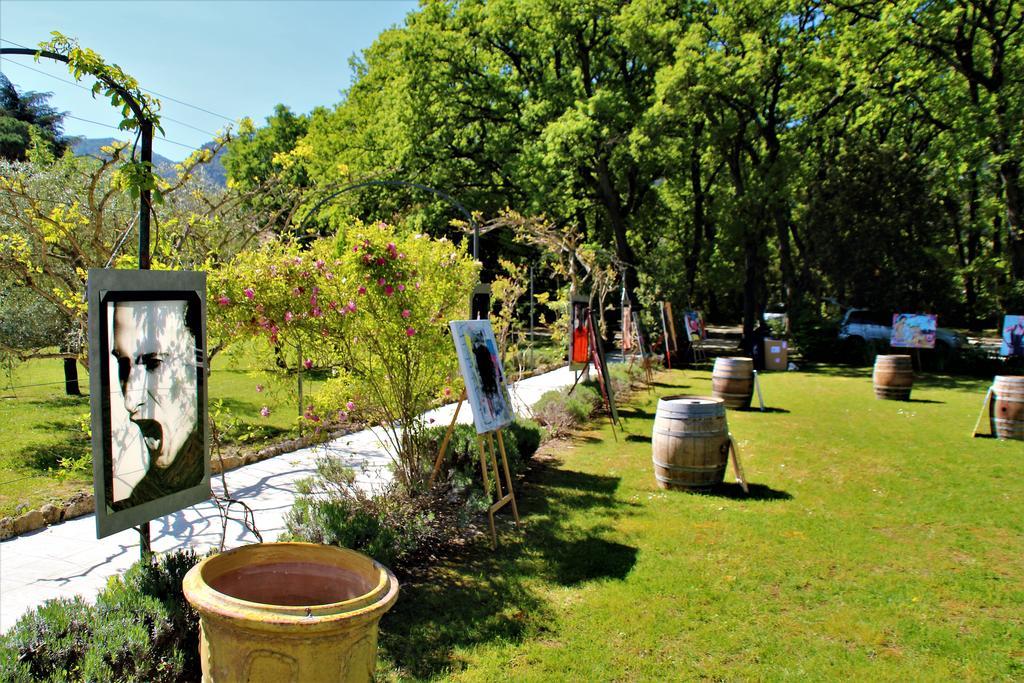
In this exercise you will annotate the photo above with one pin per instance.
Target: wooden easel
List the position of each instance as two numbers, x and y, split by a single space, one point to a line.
503 498
757 385
737 468
638 349
986 405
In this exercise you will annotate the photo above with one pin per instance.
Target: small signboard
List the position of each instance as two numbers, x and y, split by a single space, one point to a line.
579 332
147 351
913 331
1013 336
483 374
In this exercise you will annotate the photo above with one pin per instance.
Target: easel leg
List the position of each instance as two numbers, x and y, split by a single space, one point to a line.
487 490
757 385
508 478
444 443
737 468
985 405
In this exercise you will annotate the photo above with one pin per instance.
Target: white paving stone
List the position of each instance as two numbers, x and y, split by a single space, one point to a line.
66 559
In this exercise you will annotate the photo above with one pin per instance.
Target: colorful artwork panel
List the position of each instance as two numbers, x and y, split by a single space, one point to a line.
483 374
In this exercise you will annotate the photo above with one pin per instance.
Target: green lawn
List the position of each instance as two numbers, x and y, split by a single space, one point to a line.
879 542
39 424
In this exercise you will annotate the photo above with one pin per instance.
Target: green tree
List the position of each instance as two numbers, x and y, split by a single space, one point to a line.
19 113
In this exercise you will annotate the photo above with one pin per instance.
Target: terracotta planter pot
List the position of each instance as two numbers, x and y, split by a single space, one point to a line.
289 612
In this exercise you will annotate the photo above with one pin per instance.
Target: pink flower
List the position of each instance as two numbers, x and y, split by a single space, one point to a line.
352 306
265 411
333 305
316 312
409 332
406 313
401 256
259 388
389 290
417 285
298 291
366 258
308 363
381 282
342 415
447 391
288 315
351 406
298 260
401 288
355 248
381 261
392 247
362 290
249 294
224 301
320 264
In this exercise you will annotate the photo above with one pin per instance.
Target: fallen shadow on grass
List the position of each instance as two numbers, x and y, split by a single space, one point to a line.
477 595
638 438
637 413
735 491
753 409
922 400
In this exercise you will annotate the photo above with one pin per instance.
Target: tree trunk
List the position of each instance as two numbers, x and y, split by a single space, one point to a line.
693 258
71 387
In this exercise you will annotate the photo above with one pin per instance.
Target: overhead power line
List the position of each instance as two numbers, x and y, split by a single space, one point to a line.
163 117
145 90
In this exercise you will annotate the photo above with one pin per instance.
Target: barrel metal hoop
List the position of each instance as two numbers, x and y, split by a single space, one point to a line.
684 468
688 435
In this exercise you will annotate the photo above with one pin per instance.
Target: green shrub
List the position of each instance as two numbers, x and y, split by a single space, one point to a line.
140 629
561 411
389 527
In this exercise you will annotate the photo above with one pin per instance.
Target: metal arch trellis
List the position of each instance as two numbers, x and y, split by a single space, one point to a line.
406 183
146 157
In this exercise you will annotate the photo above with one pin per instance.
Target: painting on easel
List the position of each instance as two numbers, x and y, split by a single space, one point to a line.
483 374
1013 336
579 332
913 331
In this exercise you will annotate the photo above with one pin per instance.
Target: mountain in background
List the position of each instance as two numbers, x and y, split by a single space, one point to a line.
212 172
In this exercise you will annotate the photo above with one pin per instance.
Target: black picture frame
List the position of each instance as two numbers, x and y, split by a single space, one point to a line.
185 481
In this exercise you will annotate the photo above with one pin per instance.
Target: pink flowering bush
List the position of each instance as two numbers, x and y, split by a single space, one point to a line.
372 307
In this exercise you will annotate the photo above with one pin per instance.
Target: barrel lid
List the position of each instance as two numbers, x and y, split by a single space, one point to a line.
1010 379
694 400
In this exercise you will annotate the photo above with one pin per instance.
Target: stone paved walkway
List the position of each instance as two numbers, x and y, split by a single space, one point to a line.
67 559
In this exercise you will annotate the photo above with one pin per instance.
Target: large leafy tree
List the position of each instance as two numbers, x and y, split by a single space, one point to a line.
20 112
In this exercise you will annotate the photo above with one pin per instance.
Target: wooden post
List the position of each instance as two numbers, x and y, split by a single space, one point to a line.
444 442
737 468
503 497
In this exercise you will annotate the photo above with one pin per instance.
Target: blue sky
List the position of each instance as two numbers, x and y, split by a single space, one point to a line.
233 58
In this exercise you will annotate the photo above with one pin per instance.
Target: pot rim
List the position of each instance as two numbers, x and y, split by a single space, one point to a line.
212 602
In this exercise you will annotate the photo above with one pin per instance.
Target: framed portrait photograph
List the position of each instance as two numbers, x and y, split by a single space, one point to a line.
483 374
147 369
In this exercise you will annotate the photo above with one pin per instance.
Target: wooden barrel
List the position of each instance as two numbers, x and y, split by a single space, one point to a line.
732 380
893 377
690 442
1007 407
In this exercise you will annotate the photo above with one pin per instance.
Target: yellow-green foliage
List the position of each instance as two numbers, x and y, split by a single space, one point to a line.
372 306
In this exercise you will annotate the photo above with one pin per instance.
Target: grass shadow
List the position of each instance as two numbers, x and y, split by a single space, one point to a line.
767 409
476 595
734 491
923 400
46 457
61 402
638 438
637 413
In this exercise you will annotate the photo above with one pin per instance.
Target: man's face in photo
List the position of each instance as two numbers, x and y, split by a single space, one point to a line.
156 362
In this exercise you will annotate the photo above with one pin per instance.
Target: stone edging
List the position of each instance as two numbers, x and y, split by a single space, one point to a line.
82 503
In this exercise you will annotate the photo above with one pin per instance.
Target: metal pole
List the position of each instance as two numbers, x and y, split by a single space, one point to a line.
144 197
145 539
476 241
300 389
531 308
